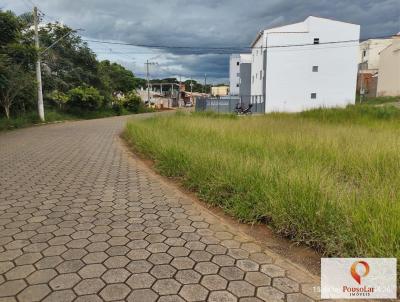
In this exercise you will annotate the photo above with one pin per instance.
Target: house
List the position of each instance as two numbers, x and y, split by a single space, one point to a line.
240 75
389 69
220 90
368 65
369 53
305 65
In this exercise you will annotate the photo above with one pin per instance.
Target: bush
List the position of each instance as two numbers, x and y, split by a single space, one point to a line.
133 103
84 98
118 108
59 98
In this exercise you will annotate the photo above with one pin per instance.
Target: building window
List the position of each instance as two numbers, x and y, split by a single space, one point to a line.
253 79
313 95
237 63
315 68
316 40
237 85
364 53
256 75
260 74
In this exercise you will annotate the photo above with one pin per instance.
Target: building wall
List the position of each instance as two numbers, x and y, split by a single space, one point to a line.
220 90
234 74
369 52
257 72
289 79
389 70
245 83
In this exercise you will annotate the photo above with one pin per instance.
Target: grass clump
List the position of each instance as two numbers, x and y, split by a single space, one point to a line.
328 178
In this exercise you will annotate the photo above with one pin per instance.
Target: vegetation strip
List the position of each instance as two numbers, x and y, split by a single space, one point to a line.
315 177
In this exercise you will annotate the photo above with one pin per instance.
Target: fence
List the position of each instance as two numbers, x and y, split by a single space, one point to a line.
228 104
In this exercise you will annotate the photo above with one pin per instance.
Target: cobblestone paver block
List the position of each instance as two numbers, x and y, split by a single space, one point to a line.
81 219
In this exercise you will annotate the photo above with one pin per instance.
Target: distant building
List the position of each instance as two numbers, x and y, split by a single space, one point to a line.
368 65
305 65
222 90
240 75
389 69
369 53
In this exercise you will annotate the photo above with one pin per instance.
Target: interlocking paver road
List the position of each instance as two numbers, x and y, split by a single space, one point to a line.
83 220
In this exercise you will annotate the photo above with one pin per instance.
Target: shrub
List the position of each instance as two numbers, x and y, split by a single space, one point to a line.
59 98
133 103
84 98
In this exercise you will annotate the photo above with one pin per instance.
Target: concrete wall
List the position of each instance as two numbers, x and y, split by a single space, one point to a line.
372 48
289 77
245 83
389 70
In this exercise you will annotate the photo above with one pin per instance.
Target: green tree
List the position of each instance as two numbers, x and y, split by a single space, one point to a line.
15 81
116 78
17 57
70 62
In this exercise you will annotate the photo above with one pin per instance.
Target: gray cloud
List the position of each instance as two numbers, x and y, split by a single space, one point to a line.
203 23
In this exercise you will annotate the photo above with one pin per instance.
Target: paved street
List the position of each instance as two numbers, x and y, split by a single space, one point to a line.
83 220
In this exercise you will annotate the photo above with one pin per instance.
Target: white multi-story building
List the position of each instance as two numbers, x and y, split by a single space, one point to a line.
235 79
305 65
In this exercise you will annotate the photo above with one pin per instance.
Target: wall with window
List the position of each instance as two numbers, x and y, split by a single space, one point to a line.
234 74
257 67
369 52
316 74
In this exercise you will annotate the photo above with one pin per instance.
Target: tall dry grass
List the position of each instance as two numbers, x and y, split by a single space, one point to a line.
332 184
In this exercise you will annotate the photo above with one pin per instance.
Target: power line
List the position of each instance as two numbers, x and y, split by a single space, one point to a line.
225 47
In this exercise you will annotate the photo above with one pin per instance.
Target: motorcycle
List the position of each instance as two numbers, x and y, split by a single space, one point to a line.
239 110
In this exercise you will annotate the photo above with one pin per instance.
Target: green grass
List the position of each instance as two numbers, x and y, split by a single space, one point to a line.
328 178
32 118
52 115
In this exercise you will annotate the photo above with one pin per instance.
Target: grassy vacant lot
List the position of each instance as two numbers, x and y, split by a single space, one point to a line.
328 178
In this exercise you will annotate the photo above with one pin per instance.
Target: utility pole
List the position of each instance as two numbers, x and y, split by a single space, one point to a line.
180 89
38 69
205 83
148 79
191 90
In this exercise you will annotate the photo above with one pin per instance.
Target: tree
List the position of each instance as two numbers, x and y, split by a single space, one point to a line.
17 58
70 62
14 82
116 78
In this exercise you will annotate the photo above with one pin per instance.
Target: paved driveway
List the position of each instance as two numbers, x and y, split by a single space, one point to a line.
82 220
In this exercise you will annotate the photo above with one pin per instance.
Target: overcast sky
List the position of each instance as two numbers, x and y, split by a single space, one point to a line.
198 23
